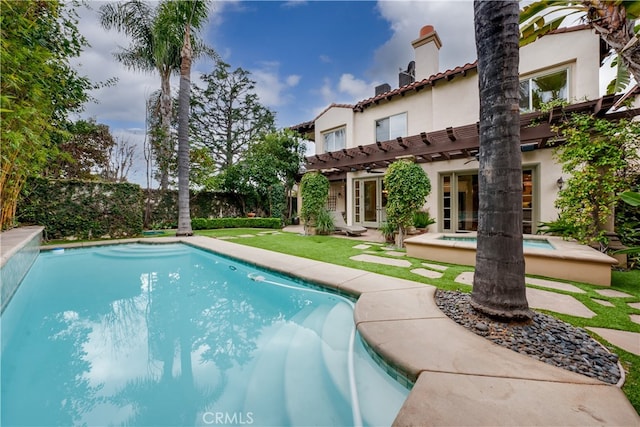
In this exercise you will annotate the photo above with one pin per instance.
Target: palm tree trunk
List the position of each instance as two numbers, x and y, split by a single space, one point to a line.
165 149
498 286
184 216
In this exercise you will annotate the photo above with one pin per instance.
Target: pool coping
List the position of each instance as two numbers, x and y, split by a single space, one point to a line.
459 378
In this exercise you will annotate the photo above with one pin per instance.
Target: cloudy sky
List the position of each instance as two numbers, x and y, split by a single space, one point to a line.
303 55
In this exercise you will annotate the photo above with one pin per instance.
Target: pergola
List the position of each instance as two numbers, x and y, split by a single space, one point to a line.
536 131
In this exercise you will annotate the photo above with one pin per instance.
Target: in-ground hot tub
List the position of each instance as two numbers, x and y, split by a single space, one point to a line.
544 256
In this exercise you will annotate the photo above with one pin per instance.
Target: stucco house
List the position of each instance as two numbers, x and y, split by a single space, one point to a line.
432 116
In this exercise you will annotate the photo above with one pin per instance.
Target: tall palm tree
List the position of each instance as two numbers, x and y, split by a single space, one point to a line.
177 21
156 44
137 19
498 286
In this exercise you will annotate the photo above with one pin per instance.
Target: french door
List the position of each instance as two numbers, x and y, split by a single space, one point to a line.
370 201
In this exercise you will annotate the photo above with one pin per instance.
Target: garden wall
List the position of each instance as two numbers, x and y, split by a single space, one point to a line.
75 209
82 209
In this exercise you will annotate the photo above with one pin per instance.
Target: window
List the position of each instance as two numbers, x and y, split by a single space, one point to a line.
539 90
335 140
391 127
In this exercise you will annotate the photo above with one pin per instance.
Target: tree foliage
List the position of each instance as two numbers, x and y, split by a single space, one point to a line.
598 154
156 44
227 117
264 178
615 21
315 192
38 89
408 186
84 153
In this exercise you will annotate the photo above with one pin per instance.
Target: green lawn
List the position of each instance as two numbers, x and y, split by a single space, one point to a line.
338 251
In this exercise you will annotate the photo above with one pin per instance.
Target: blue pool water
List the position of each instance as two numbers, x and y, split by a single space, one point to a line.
526 243
154 335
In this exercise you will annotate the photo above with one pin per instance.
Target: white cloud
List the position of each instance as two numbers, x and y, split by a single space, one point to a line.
294 3
271 87
326 59
326 91
293 80
355 88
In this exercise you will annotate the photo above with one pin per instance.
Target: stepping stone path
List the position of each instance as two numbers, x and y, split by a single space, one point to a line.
362 247
553 285
381 260
465 278
435 266
427 273
603 302
395 253
625 340
613 293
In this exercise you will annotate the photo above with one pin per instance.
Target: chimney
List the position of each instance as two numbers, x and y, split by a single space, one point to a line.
427 48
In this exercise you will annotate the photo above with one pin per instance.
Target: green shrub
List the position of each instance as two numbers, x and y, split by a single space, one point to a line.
314 188
214 223
422 219
82 209
324 222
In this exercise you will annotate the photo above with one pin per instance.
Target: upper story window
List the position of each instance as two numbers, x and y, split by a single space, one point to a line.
391 127
536 91
334 140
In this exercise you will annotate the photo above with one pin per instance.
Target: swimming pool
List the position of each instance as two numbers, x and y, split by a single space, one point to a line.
540 243
173 335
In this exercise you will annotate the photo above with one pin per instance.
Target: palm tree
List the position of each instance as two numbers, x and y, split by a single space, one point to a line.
154 47
176 22
613 20
137 19
498 286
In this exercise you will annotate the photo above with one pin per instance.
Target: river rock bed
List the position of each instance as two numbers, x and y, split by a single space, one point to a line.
544 338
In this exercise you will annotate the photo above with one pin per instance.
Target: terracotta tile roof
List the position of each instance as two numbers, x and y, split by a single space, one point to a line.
308 126
417 86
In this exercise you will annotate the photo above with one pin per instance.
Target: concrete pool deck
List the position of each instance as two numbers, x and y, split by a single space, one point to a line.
460 378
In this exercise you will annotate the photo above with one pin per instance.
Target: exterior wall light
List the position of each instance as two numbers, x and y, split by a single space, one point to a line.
560 183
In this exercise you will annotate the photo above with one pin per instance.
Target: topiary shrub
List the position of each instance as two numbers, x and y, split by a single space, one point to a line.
408 187
315 192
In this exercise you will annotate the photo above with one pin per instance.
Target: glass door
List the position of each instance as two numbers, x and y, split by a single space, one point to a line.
370 202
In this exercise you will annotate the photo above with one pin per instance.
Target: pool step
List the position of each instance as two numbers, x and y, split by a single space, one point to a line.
136 251
380 396
265 393
335 351
304 367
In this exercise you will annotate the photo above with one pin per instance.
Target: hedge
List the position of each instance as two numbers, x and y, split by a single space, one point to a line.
213 223
82 209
